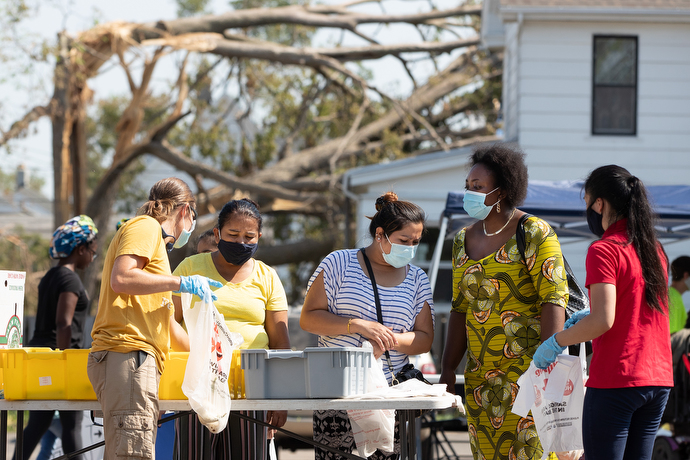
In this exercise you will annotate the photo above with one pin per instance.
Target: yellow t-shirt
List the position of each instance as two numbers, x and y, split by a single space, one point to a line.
125 322
242 304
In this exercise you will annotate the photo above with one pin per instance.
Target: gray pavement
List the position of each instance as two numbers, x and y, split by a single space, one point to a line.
459 440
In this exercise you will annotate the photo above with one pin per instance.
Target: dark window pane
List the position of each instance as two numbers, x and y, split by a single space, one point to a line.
614 110
614 61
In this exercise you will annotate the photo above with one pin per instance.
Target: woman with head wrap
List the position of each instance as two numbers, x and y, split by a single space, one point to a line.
62 307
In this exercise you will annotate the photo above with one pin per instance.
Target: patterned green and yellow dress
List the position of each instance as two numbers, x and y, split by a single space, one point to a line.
502 297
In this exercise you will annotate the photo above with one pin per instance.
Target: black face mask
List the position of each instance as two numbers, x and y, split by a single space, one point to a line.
594 220
236 253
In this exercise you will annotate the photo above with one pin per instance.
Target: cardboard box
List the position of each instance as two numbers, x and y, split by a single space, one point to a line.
12 285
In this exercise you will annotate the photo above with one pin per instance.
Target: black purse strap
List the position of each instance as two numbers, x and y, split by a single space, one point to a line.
377 300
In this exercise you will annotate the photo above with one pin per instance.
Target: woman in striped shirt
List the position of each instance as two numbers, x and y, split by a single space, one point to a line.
340 305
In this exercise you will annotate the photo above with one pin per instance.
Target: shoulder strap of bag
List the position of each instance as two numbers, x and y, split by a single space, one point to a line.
520 235
377 300
521 243
574 287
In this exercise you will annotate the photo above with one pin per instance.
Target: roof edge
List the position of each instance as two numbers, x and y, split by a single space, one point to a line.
512 13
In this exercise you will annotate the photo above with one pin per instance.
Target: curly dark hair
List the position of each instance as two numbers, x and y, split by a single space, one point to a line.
507 165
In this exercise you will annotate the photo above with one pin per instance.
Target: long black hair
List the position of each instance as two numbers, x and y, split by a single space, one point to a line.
627 196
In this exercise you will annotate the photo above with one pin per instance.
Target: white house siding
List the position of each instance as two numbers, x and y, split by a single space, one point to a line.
428 190
554 101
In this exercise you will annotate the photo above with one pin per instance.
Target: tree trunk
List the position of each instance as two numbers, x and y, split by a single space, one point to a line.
61 121
78 147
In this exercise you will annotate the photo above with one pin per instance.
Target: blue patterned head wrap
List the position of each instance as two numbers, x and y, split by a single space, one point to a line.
78 230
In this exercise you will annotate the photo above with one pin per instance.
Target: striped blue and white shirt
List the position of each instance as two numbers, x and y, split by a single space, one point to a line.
350 294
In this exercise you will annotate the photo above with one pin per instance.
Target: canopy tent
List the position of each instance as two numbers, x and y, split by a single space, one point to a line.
562 205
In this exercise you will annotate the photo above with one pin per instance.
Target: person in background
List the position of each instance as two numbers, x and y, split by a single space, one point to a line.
341 309
206 242
62 307
680 282
253 302
133 328
631 371
503 305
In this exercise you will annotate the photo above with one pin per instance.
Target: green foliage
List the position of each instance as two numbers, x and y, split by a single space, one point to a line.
8 182
187 8
14 11
284 34
102 139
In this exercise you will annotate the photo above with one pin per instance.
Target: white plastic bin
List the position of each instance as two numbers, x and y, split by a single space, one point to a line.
329 372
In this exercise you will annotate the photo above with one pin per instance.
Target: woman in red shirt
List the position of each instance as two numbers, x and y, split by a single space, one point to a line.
627 273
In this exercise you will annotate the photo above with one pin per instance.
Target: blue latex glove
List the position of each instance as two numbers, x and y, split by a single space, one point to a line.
199 286
577 316
547 353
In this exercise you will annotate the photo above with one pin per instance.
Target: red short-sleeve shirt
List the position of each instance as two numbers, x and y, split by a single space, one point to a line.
636 351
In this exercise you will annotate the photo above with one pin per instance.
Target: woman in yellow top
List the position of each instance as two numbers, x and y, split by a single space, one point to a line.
132 328
253 302
503 306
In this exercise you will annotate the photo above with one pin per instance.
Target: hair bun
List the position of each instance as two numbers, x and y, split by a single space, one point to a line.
387 197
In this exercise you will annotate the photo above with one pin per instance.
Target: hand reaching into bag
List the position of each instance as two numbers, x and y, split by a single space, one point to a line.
547 353
199 286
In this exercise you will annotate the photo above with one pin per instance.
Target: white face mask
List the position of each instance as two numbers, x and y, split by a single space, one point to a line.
687 282
400 254
184 236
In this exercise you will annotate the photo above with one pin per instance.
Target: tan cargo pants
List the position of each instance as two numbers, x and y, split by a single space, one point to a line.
126 385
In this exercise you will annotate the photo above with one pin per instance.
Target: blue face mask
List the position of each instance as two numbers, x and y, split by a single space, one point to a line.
400 254
473 204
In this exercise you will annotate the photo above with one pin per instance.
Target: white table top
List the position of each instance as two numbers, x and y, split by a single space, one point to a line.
426 402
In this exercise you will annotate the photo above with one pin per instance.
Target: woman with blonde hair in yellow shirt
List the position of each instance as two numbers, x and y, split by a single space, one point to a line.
132 328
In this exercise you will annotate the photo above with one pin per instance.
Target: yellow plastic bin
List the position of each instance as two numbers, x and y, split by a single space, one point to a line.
34 373
43 373
173 375
3 361
79 386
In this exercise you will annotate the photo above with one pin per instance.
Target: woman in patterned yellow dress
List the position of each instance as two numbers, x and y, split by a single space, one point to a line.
503 306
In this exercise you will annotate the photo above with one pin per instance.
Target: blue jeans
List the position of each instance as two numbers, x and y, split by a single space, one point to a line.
621 423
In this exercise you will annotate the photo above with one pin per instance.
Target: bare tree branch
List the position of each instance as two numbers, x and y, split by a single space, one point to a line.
309 159
176 158
313 16
19 127
217 44
378 51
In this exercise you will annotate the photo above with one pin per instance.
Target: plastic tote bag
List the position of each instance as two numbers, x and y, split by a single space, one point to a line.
373 429
555 396
210 356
